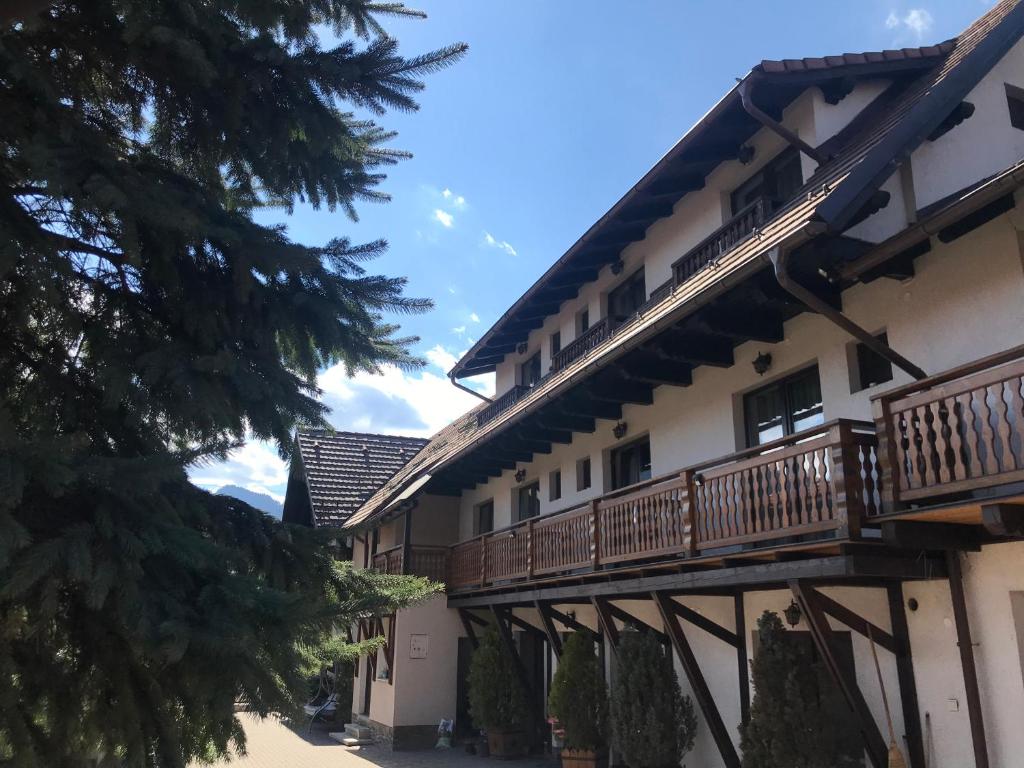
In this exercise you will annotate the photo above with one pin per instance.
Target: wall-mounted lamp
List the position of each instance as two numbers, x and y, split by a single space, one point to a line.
520 475
793 613
617 267
745 154
571 615
521 348
762 363
619 430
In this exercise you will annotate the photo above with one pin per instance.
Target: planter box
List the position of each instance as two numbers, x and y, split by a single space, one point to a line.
584 758
506 744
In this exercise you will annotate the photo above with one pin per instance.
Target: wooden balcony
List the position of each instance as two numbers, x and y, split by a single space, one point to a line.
501 404
821 482
736 230
955 436
582 344
430 562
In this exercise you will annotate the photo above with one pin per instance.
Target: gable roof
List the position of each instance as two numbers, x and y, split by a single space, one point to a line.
871 151
343 469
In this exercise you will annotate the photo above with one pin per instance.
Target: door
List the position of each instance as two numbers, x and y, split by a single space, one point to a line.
528 501
631 464
367 686
464 726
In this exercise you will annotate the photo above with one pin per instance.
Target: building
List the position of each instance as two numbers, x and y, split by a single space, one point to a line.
785 368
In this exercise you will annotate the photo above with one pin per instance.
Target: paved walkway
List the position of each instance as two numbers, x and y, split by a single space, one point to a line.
271 744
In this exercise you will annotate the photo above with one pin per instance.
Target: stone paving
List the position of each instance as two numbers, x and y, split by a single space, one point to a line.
272 744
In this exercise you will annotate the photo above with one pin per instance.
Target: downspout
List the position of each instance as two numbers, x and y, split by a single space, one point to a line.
780 261
464 388
746 90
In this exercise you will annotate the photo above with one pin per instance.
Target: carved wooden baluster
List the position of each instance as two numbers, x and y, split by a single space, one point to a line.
1008 461
1016 418
990 462
956 444
940 445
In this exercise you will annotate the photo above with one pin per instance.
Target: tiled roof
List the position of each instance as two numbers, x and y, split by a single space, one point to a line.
856 59
899 128
343 469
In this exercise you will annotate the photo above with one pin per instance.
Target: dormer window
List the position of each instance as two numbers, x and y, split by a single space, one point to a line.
529 371
775 183
624 301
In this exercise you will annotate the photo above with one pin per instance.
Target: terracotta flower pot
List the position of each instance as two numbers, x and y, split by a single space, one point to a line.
507 743
584 758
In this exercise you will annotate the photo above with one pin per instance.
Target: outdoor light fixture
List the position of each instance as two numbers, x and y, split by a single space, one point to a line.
571 615
521 348
793 613
745 154
520 475
617 267
619 430
762 363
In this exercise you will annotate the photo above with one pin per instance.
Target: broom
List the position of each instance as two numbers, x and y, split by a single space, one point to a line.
895 756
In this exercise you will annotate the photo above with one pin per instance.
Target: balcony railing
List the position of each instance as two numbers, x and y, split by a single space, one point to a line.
824 479
431 562
954 433
711 248
501 404
582 344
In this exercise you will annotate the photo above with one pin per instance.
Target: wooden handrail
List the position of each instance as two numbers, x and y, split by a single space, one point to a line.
961 371
582 344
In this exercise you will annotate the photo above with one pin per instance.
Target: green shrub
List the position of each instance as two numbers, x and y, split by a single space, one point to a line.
653 724
797 718
579 697
496 696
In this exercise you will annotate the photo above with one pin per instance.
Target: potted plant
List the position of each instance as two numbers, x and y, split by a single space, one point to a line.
579 702
653 724
497 701
797 716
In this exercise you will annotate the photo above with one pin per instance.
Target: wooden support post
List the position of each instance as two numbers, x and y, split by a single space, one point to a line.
854 621
847 501
549 629
697 683
595 534
467 624
963 638
821 634
887 465
905 672
742 663
407 544
389 647
702 622
572 623
606 622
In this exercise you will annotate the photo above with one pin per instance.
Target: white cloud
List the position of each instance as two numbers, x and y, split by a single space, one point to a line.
459 330
452 290
457 200
255 466
917 21
445 218
474 317
502 245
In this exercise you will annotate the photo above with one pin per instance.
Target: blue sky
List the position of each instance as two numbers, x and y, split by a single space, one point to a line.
558 109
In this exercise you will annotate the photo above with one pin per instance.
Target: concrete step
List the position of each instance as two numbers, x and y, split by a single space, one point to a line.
354 735
357 731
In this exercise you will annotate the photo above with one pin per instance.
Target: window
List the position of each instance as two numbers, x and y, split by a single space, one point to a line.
582 321
1015 101
867 367
555 485
624 301
528 501
583 474
483 517
776 183
556 343
784 407
631 464
529 372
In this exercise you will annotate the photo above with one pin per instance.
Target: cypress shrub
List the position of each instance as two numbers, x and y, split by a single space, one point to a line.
579 697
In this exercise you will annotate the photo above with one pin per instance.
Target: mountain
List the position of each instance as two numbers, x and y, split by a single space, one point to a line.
260 501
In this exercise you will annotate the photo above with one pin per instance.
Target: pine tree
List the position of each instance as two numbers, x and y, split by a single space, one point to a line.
796 718
653 724
147 322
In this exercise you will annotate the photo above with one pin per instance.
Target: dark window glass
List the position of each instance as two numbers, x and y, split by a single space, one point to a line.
784 407
583 474
631 464
529 372
528 501
776 183
872 368
624 301
556 343
484 518
555 485
1015 101
582 322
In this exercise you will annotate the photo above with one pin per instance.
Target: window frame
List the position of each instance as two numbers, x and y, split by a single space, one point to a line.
615 454
783 383
1015 105
627 287
519 489
555 485
861 355
477 522
534 361
584 474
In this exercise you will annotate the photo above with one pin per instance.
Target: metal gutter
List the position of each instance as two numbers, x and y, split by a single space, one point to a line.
746 91
464 388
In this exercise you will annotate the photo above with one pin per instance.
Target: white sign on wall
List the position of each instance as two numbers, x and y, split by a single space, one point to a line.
418 646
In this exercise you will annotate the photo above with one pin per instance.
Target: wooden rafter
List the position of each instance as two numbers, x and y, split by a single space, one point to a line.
606 622
963 637
554 641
